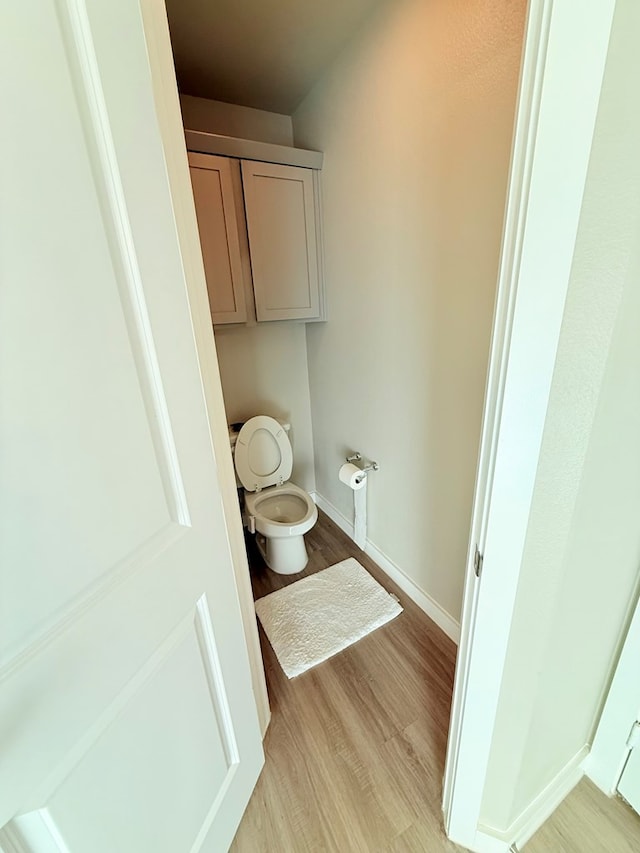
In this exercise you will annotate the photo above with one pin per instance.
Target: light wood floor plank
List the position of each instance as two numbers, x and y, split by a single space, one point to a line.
343 771
356 747
588 822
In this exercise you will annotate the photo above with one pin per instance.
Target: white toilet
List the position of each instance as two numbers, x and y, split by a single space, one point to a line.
278 512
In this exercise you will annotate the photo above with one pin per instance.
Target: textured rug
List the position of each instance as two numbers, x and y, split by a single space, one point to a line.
317 617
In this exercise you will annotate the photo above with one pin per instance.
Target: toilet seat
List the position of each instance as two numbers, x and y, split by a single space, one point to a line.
263 455
282 511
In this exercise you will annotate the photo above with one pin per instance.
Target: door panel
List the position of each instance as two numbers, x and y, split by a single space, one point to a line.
279 203
219 224
184 755
61 400
127 719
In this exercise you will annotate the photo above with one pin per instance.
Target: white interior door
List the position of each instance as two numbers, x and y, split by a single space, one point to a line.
127 719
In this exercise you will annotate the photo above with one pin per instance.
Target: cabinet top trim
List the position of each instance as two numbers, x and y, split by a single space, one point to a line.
250 149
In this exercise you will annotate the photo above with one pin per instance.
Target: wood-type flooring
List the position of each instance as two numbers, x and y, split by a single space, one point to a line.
356 746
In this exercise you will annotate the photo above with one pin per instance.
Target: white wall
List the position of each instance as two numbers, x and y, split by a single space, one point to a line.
415 121
263 367
232 120
583 542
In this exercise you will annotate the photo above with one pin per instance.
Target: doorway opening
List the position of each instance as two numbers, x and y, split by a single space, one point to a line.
413 193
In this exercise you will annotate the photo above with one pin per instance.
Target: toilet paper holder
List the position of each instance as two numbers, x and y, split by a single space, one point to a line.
357 457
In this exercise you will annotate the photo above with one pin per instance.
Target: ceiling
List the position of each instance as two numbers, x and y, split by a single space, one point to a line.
259 53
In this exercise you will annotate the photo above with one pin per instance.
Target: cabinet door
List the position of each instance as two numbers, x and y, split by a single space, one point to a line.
218 224
281 221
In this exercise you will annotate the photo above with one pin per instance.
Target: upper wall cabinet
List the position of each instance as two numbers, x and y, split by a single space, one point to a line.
281 221
216 183
259 227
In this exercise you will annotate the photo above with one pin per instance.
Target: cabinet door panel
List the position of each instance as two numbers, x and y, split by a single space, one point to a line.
279 204
213 193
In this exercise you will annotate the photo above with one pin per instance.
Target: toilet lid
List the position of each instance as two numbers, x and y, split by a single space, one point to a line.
263 454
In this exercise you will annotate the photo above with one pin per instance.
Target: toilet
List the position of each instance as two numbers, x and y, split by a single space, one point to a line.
277 511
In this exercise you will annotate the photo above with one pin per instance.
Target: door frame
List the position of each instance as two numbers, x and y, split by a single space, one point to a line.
167 103
563 63
606 761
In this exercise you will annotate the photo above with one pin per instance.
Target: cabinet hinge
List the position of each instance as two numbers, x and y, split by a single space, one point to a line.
477 562
634 735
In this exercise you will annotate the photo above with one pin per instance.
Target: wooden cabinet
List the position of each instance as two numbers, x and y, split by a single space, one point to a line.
274 213
281 221
216 186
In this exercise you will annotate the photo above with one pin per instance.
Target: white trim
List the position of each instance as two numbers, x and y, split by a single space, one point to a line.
489 840
552 144
534 55
335 515
250 149
36 831
10 841
622 708
544 805
486 843
424 601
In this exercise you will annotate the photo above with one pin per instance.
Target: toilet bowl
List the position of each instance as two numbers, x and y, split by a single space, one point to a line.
276 510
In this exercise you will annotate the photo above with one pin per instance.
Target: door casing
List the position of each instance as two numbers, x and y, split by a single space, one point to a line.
563 53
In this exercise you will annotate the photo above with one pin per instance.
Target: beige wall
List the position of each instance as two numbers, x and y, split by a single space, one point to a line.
582 554
263 370
232 120
415 121
263 367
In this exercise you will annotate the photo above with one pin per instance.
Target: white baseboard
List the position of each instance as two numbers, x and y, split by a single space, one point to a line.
547 801
434 611
334 514
485 843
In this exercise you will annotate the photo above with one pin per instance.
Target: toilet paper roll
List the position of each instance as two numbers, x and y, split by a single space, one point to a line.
352 476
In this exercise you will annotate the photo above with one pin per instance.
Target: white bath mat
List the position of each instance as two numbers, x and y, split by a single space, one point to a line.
317 617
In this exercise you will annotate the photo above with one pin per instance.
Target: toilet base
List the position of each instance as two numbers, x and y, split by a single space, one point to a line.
285 555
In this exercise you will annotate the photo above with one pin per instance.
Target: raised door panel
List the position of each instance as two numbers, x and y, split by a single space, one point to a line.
281 221
218 224
77 386
179 755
